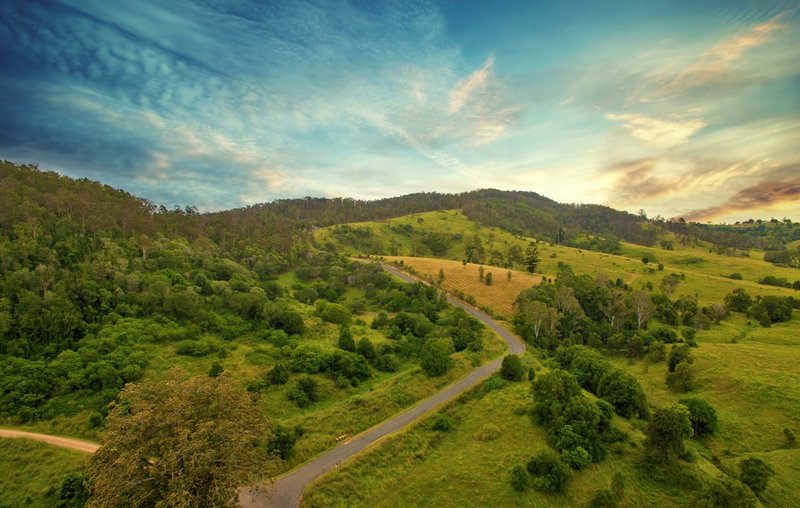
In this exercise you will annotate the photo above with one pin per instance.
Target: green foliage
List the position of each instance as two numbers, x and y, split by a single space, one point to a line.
726 492
682 379
282 439
618 486
346 340
755 473
305 392
551 393
278 375
666 431
435 356
738 300
72 492
442 423
604 499
679 353
215 370
550 473
531 257
366 349
520 480
194 347
577 458
702 415
512 368
336 313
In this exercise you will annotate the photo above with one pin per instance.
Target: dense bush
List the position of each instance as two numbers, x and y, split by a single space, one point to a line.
435 356
512 368
550 473
702 415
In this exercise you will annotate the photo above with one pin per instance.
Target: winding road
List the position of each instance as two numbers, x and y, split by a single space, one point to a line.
287 490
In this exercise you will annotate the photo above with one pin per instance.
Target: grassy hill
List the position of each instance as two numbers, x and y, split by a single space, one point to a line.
447 234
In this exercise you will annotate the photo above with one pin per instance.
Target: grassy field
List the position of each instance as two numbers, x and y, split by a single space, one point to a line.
706 273
421 467
31 472
499 296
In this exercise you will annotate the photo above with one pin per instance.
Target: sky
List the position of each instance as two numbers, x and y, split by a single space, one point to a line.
680 108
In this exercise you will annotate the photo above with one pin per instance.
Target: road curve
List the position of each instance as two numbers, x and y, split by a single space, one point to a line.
64 442
287 490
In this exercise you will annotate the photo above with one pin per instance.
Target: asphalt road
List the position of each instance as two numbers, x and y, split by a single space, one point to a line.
64 442
288 489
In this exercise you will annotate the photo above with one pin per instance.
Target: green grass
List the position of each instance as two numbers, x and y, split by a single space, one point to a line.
706 273
420 467
31 472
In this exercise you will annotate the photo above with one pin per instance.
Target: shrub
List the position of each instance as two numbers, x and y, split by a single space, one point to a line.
387 362
194 347
755 473
577 458
682 379
727 493
520 480
131 372
442 423
366 349
282 439
603 499
305 392
335 313
215 370
512 368
308 359
278 375
346 340
791 439
550 473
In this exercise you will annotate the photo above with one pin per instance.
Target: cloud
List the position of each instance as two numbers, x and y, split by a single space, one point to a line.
635 181
780 185
467 87
717 61
658 133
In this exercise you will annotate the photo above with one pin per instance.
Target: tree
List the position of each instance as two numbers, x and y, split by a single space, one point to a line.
679 353
512 368
508 275
346 340
531 257
366 349
702 415
643 308
278 375
489 279
480 273
682 378
755 473
726 492
670 283
519 478
435 356
550 473
665 432
179 442
282 440
441 275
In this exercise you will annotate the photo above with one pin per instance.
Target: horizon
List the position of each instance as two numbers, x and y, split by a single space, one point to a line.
684 112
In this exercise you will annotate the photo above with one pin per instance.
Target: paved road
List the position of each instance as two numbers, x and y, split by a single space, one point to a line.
288 489
64 442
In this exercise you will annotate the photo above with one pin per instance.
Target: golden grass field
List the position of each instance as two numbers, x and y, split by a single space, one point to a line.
499 296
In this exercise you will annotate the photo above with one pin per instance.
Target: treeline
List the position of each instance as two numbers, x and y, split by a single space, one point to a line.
771 235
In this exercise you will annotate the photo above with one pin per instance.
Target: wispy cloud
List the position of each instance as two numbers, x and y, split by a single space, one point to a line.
658 133
465 88
780 185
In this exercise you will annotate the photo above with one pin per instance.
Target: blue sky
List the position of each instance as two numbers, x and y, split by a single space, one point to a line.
679 108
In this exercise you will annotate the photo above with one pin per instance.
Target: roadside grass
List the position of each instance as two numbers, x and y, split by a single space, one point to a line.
31 472
422 467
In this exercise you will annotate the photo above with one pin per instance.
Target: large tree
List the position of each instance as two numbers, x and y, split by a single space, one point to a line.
180 442
531 257
666 431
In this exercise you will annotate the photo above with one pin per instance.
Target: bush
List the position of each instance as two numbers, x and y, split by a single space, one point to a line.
215 370
346 340
282 439
387 362
131 372
194 348
550 473
72 491
735 276
520 480
366 349
682 379
791 438
308 359
577 458
755 473
305 392
727 493
604 499
442 423
512 368
335 313
278 375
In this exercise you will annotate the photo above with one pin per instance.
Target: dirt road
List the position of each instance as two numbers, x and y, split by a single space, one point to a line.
64 442
288 489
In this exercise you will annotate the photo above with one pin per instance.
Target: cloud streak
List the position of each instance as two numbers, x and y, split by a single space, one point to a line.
658 133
